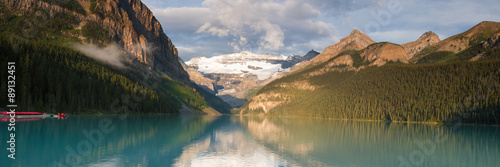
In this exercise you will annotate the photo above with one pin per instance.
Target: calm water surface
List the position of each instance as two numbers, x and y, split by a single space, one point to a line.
246 141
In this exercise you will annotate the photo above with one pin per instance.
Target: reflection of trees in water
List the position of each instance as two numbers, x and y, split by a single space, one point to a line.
345 143
172 140
134 140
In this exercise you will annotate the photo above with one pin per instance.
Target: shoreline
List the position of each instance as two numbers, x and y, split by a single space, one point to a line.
369 120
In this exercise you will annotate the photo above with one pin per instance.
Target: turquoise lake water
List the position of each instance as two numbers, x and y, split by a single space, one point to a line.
246 141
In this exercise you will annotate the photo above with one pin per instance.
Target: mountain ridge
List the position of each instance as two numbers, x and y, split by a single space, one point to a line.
460 42
379 82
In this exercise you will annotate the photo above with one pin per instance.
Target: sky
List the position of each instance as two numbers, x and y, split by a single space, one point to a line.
206 28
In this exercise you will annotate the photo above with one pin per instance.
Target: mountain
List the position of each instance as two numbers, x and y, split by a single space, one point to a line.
310 55
357 40
233 76
379 82
427 39
96 56
128 23
457 44
296 59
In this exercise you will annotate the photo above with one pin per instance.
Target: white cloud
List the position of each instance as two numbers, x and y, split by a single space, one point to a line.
110 54
249 24
217 27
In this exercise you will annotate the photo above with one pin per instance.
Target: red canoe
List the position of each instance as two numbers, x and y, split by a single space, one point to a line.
22 113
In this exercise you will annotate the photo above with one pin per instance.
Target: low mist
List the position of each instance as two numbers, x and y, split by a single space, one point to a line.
110 54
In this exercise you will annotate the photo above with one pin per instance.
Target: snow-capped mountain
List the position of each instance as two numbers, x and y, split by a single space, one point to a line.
234 75
244 63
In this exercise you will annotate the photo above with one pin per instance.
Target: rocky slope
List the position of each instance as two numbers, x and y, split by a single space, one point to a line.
198 78
472 36
460 42
427 39
357 40
129 23
492 43
381 53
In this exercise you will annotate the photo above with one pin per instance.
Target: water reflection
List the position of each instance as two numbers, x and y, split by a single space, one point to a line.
228 145
357 143
246 141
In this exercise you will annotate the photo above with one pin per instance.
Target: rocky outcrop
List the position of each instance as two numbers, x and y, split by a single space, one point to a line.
381 53
493 42
296 59
300 85
427 39
129 23
207 84
266 102
341 60
474 35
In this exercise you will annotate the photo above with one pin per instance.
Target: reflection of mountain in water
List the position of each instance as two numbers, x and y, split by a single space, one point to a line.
249 141
229 145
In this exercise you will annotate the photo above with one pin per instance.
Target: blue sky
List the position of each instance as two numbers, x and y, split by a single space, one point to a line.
213 27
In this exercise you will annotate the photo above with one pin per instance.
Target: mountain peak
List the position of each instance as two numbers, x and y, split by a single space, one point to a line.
357 40
357 35
427 39
356 31
310 55
427 35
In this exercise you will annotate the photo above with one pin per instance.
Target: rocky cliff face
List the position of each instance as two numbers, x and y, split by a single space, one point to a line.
427 39
207 84
129 23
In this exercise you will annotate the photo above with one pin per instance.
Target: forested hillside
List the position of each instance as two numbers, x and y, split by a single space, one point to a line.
440 86
397 92
54 78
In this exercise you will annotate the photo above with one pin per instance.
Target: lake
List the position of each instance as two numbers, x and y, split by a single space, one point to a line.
246 141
